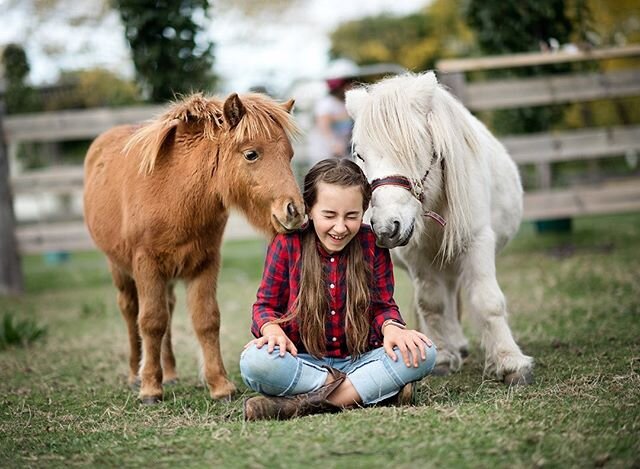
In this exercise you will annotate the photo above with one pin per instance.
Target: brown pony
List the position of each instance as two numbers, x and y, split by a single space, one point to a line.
157 200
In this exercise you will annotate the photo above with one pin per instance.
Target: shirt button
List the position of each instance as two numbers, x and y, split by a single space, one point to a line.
332 259
334 339
333 313
332 286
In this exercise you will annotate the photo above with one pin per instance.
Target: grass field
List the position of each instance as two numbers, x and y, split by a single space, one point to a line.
575 307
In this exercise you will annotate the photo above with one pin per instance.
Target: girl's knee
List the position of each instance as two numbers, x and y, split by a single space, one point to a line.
253 362
258 364
430 361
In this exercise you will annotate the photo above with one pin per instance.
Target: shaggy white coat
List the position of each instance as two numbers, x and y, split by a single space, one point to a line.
407 125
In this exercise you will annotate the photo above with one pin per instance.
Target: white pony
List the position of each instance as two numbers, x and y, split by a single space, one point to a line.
448 197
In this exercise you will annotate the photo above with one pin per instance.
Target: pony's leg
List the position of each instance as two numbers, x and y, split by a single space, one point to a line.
153 322
205 316
128 304
486 302
459 337
437 315
169 374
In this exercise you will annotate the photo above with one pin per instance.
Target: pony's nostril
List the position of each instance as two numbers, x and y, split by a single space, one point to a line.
396 229
292 211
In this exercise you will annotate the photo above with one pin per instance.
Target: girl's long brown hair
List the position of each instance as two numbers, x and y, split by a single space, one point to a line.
312 307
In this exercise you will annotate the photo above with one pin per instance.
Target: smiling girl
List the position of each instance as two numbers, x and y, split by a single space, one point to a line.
328 332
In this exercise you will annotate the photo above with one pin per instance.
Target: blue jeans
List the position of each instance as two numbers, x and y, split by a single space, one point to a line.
374 375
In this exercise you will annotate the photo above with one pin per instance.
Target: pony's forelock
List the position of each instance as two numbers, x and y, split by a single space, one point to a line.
392 122
262 119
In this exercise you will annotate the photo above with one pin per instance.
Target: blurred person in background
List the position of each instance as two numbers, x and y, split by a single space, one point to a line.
331 132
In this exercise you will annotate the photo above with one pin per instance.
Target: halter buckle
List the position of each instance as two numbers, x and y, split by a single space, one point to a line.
417 189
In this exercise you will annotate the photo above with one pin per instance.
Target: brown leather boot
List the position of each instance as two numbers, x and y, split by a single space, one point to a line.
287 407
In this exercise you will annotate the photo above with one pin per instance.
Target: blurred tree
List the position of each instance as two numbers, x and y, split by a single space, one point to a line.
618 23
92 88
507 26
169 53
19 97
415 41
511 26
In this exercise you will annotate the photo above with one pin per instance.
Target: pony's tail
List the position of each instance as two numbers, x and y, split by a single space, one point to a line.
455 140
148 140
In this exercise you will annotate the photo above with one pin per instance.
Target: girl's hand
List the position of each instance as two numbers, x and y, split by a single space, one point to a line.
273 335
409 342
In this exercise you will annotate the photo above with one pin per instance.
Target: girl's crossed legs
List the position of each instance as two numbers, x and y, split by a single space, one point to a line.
374 376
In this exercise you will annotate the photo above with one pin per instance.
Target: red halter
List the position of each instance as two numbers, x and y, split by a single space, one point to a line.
414 186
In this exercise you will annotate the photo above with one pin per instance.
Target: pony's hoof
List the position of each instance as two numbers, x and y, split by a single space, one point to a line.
519 378
151 400
224 392
227 398
170 382
442 369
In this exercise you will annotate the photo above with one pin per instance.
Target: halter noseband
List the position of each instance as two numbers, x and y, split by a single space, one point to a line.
414 186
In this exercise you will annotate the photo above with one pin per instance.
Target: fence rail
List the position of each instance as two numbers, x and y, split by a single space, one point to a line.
530 59
72 125
575 145
553 89
609 197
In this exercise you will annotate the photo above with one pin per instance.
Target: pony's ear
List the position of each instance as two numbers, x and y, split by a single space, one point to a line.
288 106
354 100
233 110
425 85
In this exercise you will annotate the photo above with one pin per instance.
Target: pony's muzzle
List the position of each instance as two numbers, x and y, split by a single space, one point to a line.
389 235
292 215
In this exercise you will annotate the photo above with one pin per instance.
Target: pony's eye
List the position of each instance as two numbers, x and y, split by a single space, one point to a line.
357 155
251 155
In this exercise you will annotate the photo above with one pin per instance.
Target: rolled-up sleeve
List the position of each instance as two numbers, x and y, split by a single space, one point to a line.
383 306
273 293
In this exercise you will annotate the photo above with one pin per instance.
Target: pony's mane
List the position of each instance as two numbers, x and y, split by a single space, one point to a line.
262 117
410 118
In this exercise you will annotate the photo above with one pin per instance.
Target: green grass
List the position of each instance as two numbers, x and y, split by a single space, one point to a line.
575 306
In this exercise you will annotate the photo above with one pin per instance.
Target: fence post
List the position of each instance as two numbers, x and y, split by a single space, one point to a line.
456 82
11 280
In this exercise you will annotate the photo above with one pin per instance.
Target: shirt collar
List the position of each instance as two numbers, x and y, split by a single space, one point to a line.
323 252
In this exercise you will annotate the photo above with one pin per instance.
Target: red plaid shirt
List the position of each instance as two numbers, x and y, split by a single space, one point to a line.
281 281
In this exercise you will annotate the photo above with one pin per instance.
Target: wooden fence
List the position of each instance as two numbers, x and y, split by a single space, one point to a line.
65 229
544 149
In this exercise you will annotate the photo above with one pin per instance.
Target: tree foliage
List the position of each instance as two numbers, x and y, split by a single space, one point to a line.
512 26
506 26
614 22
415 41
18 96
97 87
169 53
